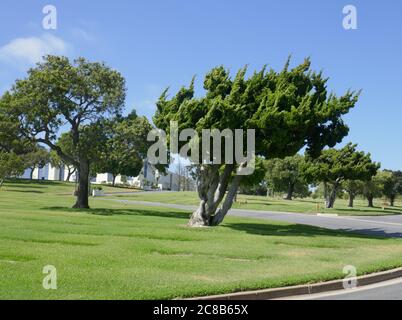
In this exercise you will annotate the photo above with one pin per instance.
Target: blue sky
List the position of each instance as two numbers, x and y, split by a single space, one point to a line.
156 44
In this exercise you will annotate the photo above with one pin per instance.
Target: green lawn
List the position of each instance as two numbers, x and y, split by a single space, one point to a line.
273 204
117 251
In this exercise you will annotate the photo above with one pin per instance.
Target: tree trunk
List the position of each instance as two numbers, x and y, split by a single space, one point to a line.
32 172
351 200
114 181
370 201
291 190
392 200
70 173
83 187
227 204
1 183
331 197
211 189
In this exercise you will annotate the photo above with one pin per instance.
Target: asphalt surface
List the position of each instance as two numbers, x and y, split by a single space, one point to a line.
388 290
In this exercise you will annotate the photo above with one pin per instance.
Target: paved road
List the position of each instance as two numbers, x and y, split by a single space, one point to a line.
388 290
388 226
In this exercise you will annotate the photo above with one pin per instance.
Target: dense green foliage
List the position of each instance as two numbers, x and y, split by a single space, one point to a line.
393 186
286 175
333 167
288 110
10 165
125 148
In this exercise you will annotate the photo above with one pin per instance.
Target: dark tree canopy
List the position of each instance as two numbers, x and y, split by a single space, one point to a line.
289 110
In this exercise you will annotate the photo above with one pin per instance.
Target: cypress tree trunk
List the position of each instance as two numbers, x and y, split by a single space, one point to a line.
227 204
331 196
211 189
83 187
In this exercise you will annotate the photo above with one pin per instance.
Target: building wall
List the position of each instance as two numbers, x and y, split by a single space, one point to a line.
145 179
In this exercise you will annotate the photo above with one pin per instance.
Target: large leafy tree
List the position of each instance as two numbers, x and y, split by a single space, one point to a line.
393 186
288 110
335 166
285 175
126 147
76 95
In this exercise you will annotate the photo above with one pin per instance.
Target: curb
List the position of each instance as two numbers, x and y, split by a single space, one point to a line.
322 287
329 215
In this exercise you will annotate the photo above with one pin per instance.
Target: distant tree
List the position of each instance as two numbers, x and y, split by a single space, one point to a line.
375 188
288 110
285 175
255 181
126 147
333 167
12 144
77 96
393 186
353 188
37 158
10 165
11 139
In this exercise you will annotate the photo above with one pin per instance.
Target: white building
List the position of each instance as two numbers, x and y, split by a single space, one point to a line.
50 173
149 178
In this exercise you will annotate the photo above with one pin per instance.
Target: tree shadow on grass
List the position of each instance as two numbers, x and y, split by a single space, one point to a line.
123 212
298 230
25 191
22 183
365 212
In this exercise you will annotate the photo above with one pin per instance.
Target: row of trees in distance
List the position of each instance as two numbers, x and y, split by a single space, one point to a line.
334 172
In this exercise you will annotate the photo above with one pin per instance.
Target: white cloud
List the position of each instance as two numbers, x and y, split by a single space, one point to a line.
83 35
31 50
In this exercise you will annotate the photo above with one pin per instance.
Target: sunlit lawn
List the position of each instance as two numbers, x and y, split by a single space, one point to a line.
118 251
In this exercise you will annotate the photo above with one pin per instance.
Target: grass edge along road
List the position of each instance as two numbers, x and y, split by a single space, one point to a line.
117 251
260 203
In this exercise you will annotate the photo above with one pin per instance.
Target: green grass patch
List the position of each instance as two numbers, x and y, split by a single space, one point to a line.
121 251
